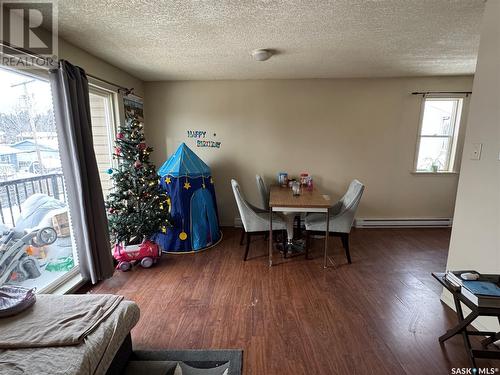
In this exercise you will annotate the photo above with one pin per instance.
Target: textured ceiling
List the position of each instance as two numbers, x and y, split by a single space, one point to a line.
212 39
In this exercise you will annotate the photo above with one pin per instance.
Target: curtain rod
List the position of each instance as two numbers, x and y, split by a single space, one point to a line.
125 90
50 65
467 93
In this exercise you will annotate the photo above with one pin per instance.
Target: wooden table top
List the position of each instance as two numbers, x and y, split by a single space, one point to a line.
283 197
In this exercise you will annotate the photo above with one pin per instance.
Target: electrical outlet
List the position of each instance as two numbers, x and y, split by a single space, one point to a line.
475 153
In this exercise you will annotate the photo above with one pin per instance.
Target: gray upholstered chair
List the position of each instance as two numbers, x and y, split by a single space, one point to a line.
291 218
341 216
254 219
264 194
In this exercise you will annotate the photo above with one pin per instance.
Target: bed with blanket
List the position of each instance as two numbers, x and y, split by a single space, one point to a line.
70 334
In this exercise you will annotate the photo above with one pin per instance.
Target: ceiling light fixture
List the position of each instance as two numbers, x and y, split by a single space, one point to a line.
261 54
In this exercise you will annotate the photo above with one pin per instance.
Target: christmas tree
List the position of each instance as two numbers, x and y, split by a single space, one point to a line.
137 206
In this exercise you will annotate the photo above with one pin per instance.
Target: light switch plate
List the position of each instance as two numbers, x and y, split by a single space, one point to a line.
475 153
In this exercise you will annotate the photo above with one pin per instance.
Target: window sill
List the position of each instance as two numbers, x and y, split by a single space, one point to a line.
434 173
67 284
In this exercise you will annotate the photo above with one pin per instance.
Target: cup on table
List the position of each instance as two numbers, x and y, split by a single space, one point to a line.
296 188
283 179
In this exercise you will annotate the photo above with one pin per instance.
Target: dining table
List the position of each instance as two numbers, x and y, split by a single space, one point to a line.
282 199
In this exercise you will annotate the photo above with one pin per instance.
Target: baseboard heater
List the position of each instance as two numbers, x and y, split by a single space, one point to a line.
403 223
391 223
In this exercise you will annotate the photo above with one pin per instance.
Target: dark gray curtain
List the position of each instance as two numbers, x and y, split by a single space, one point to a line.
70 93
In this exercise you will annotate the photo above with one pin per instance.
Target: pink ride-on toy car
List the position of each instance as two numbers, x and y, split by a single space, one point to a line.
147 253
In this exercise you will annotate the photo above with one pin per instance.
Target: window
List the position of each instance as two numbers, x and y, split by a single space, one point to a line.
107 110
103 132
438 136
32 189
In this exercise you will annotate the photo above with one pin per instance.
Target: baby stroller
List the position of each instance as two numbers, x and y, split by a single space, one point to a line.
15 263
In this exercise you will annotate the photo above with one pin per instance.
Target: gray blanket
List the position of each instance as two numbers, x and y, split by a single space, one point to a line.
56 320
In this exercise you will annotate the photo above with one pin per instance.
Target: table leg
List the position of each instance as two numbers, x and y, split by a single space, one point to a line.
462 328
468 347
459 328
490 340
325 265
493 338
271 237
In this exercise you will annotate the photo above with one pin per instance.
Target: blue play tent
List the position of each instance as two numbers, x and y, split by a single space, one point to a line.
188 182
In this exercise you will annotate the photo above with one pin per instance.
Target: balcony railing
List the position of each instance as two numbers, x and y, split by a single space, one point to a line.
14 192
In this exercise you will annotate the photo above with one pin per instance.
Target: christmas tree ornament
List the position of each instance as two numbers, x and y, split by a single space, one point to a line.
134 212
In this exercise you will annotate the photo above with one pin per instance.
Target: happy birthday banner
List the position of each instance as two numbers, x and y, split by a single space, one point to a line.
200 136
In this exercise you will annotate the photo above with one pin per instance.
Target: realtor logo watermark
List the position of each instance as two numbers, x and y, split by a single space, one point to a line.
474 371
28 26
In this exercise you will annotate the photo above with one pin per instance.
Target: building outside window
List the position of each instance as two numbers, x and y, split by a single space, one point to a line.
32 189
438 136
37 249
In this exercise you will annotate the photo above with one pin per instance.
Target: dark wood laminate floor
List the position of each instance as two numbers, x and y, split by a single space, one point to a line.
380 315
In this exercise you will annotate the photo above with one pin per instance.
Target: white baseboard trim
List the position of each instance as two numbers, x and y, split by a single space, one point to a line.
403 223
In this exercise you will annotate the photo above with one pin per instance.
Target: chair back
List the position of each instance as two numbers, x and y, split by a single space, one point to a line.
246 212
264 195
345 209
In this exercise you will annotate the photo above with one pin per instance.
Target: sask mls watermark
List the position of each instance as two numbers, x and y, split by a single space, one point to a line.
474 371
28 32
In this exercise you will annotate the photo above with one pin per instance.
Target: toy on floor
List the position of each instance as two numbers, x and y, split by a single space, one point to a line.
15 262
60 264
147 253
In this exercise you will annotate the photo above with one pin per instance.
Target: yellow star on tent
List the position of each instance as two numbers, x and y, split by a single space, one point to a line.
168 180
187 185
211 180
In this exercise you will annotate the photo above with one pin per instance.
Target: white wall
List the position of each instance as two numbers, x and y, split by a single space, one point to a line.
99 68
92 64
335 129
475 239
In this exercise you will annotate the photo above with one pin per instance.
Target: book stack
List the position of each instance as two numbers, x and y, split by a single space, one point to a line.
484 292
454 279
481 293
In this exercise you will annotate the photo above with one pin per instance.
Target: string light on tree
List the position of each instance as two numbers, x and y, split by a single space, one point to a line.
137 207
